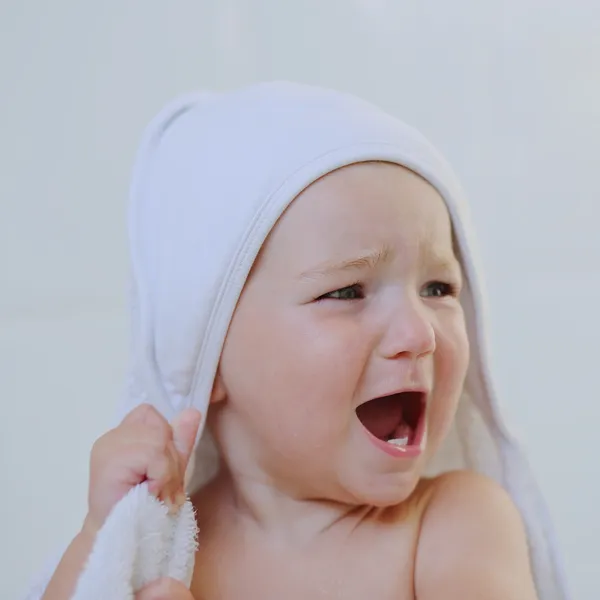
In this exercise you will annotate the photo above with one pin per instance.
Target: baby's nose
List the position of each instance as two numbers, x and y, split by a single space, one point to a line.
409 333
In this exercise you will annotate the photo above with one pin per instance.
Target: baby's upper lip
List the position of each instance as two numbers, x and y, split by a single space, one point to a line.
415 388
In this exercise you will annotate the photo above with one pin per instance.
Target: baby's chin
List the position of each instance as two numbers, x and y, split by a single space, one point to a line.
380 491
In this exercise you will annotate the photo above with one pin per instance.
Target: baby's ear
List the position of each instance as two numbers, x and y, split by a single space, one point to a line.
218 393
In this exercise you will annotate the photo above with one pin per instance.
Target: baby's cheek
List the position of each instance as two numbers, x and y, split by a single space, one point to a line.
451 362
452 350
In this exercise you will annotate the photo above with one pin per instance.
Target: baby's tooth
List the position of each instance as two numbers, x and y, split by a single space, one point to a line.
399 441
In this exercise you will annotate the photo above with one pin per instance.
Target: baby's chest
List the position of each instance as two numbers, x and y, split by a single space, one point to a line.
349 574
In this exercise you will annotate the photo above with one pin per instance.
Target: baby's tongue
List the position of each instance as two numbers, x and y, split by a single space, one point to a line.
380 416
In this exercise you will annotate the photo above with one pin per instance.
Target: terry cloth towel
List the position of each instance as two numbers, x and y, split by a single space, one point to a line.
213 175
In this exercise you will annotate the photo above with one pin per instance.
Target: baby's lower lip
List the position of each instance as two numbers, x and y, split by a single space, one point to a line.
413 450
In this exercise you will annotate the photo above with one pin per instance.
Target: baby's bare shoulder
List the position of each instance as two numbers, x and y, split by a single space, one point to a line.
472 542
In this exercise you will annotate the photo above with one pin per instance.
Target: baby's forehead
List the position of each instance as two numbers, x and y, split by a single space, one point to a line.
375 208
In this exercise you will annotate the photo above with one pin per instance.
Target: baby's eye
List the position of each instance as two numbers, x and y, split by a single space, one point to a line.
438 289
351 292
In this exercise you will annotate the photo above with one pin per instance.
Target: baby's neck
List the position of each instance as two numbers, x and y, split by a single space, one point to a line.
248 504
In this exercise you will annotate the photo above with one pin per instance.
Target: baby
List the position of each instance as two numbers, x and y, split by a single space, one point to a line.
341 372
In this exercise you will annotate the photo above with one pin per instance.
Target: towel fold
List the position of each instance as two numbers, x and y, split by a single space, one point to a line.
139 543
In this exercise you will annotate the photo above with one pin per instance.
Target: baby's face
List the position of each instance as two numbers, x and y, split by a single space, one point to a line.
353 298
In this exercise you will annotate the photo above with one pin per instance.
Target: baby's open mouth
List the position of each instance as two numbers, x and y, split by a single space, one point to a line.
395 418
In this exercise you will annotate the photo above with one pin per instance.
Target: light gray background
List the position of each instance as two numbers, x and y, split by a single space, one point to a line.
509 90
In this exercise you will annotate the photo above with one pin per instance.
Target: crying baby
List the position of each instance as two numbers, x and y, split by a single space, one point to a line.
304 296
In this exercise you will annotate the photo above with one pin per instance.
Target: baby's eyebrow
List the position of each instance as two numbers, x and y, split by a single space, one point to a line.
370 259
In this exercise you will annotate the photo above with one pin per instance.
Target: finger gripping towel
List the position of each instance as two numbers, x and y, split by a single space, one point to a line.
213 175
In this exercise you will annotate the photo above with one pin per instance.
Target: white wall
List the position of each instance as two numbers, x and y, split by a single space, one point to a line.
509 90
